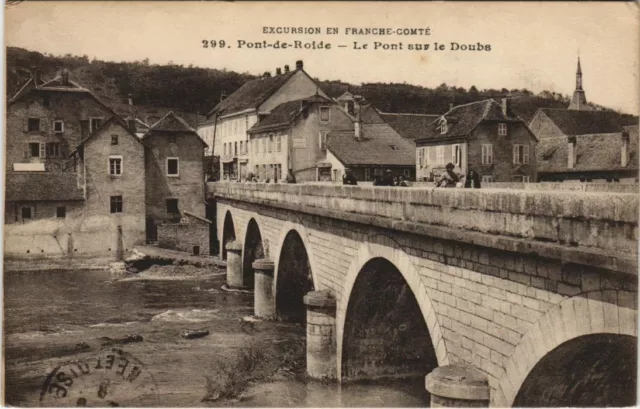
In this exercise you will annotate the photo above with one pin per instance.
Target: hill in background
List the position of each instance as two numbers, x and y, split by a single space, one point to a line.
189 90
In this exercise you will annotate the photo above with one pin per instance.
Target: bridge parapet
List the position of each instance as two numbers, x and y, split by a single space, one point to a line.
593 228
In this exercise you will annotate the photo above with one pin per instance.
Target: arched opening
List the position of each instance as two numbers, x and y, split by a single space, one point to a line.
385 334
597 370
294 279
253 250
228 233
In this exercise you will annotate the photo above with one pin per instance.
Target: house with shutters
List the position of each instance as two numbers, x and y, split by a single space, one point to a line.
484 136
174 172
99 185
294 136
47 120
225 128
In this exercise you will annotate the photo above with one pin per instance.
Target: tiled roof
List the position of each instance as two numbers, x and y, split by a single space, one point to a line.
369 115
380 145
410 126
171 122
251 94
593 152
42 186
150 114
113 120
571 122
285 113
463 119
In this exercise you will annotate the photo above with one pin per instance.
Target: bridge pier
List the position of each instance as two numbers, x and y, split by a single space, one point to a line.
457 386
321 335
264 305
234 264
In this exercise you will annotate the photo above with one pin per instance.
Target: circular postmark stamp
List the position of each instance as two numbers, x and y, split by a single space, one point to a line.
112 377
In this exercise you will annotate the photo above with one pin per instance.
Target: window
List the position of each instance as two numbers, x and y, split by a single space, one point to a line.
115 165
173 167
521 178
407 173
487 178
58 126
116 204
520 154
270 143
114 139
241 147
440 155
34 150
443 125
33 125
456 155
235 148
377 171
61 212
264 145
487 154
172 138
502 129
279 143
335 175
53 149
367 174
95 124
172 207
325 114
322 140
26 213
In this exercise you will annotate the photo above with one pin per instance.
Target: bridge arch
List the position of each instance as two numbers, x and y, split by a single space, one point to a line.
389 256
294 272
253 249
595 330
228 233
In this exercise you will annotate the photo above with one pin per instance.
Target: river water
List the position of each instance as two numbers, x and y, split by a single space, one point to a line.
47 313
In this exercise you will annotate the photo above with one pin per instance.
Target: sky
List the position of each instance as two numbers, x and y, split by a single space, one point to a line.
533 45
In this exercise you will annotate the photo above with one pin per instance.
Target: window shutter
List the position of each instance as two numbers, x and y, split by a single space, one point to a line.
515 154
43 150
42 124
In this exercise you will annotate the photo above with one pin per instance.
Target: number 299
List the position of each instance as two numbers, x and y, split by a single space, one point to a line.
213 44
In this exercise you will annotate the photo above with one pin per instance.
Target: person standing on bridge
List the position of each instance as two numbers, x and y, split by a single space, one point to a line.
385 180
448 178
349 178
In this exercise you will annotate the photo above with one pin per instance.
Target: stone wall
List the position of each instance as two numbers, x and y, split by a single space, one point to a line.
185 237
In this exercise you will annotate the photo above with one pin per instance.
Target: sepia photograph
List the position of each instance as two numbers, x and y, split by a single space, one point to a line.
320 204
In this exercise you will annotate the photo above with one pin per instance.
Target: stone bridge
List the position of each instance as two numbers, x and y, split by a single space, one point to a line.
535 289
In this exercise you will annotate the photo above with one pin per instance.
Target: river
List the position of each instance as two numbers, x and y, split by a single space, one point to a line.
57 317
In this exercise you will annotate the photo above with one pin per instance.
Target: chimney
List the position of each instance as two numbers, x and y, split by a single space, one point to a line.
266 74
65 77
358 122
506 106
299 65
571 152
624 154
278 71
286 68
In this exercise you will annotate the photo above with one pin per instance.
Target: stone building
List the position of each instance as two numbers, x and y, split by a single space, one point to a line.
484 136
174 166
47 120
227 123
294 136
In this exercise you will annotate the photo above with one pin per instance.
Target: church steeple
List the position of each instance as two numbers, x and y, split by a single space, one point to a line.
579 76
579 99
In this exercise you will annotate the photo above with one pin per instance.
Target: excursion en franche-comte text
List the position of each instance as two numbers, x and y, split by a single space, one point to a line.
388 39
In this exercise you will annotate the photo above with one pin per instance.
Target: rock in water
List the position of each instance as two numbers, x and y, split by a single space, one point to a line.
190 334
